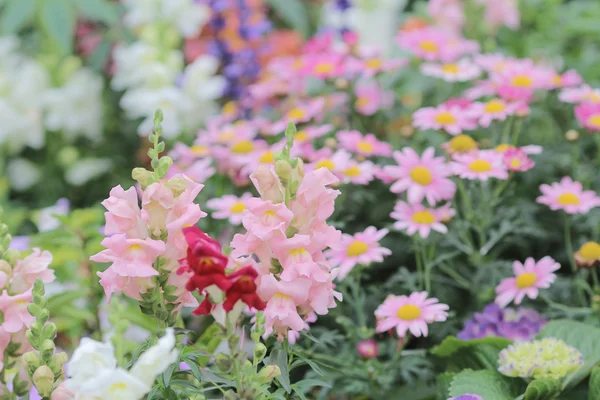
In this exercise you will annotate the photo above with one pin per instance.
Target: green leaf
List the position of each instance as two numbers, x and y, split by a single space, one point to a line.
488 384
452 344
542 389
583 337
442 384
15 15
99 10
279 357
470 354
58 18
594 387
294 13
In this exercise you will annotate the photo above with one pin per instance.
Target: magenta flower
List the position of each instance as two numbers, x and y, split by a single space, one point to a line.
416 218
366 145
421 176
517 160
367 348
451 119
529 278
480 165
588 115
229 207
370 97
410 313
362 248
569 196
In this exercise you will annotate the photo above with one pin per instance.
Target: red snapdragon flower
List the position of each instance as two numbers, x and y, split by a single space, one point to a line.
243 288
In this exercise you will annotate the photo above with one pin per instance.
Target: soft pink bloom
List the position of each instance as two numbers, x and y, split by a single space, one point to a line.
416 218
295 256
496 109
266 219
569 196
410 313
460 71
568 79
309 133
337 162
517 160
314 197
367 348
434 44
14 309
588 115
581 94
229 207
451 119
323 66
359 173
461 102
492 62
302 111
362 248
132 287
479 89
479 165
422 177
282 299
322 295
529 149
366 145
519 79
370 66
370 97
529 278
447 14
130 257
123 215
26 271
267 184
501 13
198 171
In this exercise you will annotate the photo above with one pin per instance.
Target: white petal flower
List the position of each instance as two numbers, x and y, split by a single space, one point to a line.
88 360
156 359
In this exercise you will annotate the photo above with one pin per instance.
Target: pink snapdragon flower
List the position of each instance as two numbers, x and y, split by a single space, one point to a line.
410 314
451 119
366 145
123 213
362 248
416 218
284 298
588 115
479 165
266 219
568 195
229 207
517 160
421 177
460 71
492 110
370 97
130 257
30 268
529 278
14 309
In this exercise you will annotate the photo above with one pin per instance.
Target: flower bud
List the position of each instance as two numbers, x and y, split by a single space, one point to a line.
32 361
177 185
43 379
5 267
572 135
57 362
67 156
283 169
269 372
331 143
223 362
143 176
47 349
234 341
368 348
49 331
260 350
12 256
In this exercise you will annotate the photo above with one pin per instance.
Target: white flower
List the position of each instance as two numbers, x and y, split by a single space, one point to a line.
22 174
200 80
84 170
113 384
141 12
88 360
45 218
156 359
75 109
188 16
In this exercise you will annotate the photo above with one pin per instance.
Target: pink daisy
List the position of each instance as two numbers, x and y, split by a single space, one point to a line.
370 97
337 162
529 278
481 165
569 196
529 149
461 71
581 94
302 111
229 207
362 248
372 66
309 133
492 62
421 176
520 78
588 115
517 160
496 109
417 218
410 313
323 66
434 44
568 79
366 145
451 119
358 173
479 89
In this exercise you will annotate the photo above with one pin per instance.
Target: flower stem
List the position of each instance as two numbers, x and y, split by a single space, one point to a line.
569 248
418 260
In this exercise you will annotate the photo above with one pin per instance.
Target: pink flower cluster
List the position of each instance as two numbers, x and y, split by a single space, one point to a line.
16 284
288 237
142 240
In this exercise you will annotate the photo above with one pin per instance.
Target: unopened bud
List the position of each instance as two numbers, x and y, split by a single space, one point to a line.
5 267
57 362
177 185
142 175
223 362
572 135
283 169
32 361
268 373
341 83
49 331
43 379
47 349
260 350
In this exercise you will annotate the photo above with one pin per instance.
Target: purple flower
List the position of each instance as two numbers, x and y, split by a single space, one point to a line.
467 396
520 324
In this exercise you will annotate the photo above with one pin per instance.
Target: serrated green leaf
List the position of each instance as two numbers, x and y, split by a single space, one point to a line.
99 10
594 386
294 13
15 15
542 389
442 384
583 337
452 344
470 354
58 18
488 384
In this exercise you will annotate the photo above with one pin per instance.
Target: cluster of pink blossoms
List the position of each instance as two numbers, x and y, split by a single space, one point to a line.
16 285
141 242
287 232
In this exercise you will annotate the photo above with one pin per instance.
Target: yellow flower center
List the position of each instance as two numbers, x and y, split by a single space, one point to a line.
450 68
522 81
593 97
594 121
326 163
363 101
301 136
118 386
462 143
134 247
267 158
324 68
515 163
423 217
243 147
22 302
365 146
445 118
352 171
590 251
408 312
281 296
494 106
568 199
557 80
269 213
296 113
480 166
298 252
238 207
199 150
374 63
428 46
230 107
502 148
526 279
421 175
357 248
